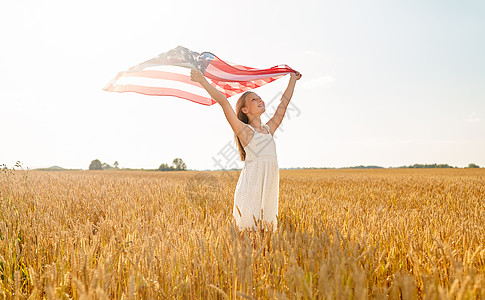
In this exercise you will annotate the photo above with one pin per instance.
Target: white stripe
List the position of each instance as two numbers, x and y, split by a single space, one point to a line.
172 69
164 83
229 76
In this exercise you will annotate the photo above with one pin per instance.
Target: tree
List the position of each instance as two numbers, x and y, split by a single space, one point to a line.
95 165
116 164
179 164
473 166
165 167
105 166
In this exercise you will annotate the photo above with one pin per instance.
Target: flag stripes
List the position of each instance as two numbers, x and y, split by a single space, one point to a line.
168 74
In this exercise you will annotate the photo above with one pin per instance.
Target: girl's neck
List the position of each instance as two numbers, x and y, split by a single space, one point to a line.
256 123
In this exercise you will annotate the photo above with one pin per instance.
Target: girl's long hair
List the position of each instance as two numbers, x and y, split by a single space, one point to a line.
241 102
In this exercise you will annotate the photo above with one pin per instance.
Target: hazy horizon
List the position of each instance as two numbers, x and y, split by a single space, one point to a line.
438 165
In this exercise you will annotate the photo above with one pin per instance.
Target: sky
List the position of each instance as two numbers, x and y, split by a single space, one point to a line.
386 83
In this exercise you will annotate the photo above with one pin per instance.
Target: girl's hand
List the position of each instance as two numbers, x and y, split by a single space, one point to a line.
196 75
296 75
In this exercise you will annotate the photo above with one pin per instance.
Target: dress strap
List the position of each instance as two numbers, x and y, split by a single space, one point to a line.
267 127
251 127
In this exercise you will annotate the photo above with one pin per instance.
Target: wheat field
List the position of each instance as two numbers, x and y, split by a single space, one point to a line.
342 234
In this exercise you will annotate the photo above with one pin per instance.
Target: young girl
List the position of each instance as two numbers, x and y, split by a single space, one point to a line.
257 190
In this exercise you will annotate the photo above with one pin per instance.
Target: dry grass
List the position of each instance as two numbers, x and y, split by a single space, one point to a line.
144 235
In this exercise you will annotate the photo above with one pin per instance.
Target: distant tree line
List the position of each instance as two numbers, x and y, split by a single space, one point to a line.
415 166
177 165
98 165
426 166
366 167
422 166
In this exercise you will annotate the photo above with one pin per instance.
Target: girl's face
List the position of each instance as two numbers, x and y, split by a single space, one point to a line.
254 105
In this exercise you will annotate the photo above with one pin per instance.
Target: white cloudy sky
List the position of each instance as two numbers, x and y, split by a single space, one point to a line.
385 83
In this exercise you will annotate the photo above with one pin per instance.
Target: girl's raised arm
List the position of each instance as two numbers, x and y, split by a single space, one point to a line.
277 118
236 124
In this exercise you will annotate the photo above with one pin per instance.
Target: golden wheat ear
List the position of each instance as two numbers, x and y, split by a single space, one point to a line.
238 211
255 221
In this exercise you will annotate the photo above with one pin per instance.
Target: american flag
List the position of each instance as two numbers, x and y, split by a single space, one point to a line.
168 74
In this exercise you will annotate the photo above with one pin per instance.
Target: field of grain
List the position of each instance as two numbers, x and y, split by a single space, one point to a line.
154 235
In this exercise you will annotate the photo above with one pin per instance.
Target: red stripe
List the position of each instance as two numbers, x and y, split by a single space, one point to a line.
159 91
238 87
261 75
213 77
220 64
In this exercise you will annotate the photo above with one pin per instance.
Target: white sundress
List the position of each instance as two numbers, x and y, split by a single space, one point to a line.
257 188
